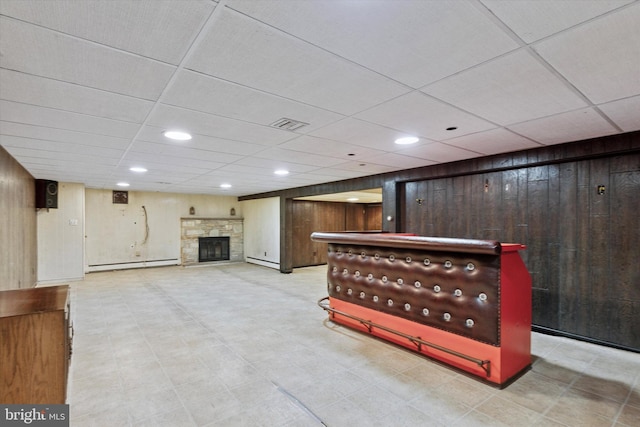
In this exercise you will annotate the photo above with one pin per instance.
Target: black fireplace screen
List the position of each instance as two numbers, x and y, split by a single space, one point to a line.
213 249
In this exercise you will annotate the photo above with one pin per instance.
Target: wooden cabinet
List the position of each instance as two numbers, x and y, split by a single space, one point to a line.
35 345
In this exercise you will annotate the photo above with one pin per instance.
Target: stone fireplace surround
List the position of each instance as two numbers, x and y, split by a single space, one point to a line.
192 228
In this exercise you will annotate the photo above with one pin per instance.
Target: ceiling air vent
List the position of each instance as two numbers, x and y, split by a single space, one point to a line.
288 124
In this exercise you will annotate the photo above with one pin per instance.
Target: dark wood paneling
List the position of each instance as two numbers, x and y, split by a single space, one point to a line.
354 216
582 248
373 217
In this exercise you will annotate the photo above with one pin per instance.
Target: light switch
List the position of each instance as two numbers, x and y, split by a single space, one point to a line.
73 222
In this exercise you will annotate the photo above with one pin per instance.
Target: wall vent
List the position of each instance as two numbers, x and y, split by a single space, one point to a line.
288 124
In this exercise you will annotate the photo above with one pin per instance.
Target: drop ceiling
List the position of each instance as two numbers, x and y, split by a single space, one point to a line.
88 87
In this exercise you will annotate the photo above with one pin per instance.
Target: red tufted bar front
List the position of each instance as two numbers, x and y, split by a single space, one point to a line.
461 301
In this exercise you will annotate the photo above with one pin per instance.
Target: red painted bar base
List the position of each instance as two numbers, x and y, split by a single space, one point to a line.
464 303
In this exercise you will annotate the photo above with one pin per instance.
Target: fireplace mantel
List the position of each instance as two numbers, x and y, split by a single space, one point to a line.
191 228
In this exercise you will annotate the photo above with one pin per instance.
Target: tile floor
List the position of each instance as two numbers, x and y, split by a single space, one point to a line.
244 345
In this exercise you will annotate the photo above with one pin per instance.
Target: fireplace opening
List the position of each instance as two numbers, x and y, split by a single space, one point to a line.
213 249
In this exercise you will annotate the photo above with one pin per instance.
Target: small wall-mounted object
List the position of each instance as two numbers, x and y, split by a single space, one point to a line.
120 197
192 210
389 218
486 185
419 201
46 194
232 212
601 190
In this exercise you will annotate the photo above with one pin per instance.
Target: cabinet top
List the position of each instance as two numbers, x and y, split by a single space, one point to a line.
18 302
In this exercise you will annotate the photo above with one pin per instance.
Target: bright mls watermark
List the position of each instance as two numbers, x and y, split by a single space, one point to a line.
34 415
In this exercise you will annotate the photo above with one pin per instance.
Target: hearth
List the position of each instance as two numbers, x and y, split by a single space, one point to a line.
213 249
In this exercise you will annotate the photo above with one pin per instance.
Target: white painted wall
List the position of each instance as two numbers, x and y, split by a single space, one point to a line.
117 235
61 237
262 231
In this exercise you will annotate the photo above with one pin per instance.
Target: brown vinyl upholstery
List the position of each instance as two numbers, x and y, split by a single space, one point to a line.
450 284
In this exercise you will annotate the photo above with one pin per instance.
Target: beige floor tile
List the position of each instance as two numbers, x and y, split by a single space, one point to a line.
534 391
634 396
629 416
577 407
344 414
179 417
442 408
604 387
465 391
478 419
173 346
508 412
375 402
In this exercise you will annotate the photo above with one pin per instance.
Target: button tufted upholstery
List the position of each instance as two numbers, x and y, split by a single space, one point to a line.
450 284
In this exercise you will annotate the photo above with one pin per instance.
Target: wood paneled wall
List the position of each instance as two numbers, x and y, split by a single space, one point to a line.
310 216
582 247
18 237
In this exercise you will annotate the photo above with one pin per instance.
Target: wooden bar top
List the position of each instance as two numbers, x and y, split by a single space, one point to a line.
409 241
17 302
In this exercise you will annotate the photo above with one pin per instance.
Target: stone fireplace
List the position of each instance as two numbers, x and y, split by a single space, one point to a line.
192 230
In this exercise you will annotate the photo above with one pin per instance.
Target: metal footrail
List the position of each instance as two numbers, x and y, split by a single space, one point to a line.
417 341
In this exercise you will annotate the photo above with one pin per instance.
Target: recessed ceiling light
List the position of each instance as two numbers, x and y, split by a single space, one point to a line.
225 185
407 140
352 199
281 172
177 135
452 128
137 169
122 184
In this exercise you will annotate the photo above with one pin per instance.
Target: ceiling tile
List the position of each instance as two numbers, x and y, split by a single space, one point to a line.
439 153
573 126
534 20
402 40
266 166
51 148
511 89
163 33
396 160
299 157
57 119
205 93
245 51
153 134
420 115
50 93
72 60
594 60
166 117
494 141
181 152
56 154
60 135
625 113
340 150
174 167
362 168
356 171
360 132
